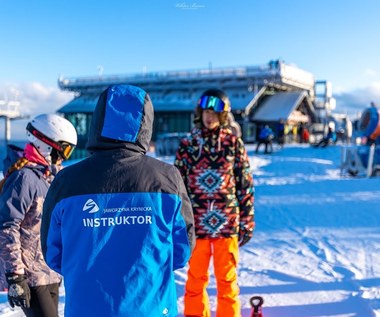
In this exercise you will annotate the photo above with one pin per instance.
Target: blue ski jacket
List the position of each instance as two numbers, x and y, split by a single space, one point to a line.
117 224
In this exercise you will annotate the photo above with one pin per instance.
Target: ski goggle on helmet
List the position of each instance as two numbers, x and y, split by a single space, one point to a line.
52 132
213 103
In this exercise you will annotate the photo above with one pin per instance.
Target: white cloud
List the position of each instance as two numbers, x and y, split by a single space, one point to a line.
355 101
370 72
34 98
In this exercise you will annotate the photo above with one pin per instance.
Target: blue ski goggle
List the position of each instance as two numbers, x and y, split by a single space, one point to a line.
213 103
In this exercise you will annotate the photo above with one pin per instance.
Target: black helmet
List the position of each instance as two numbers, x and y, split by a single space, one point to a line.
215 99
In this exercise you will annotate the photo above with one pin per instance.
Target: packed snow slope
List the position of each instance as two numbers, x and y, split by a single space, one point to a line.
317 240
316 247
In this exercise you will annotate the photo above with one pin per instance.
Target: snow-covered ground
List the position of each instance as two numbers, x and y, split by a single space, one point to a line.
316 248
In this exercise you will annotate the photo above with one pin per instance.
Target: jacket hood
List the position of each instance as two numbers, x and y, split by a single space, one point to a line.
123 118
13 154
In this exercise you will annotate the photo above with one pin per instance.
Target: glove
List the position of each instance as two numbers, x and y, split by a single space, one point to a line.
244 236
18 290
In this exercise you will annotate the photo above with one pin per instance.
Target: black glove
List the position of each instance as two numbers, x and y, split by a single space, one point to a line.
18 290
244 236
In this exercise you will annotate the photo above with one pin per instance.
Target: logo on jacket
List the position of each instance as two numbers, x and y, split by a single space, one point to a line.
90 206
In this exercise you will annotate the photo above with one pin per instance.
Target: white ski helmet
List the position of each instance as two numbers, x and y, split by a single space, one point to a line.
49 132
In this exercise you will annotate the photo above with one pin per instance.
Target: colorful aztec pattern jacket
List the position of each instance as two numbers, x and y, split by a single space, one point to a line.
117 224
215 169
21 202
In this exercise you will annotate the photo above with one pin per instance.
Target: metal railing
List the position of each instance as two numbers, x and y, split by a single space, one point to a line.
289 74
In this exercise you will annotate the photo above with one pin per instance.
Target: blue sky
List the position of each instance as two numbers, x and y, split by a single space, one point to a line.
336 40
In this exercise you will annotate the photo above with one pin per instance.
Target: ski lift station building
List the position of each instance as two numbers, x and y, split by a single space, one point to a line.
259 95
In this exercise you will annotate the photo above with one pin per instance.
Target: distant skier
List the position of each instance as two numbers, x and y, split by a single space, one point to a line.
265 137
305 135
328 139
117 224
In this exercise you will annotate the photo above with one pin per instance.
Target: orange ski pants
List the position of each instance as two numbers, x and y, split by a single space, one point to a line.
225 253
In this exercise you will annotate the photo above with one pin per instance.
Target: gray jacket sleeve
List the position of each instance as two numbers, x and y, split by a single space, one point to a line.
15 201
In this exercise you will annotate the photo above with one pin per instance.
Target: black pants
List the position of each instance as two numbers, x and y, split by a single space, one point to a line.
323 143
44 301
268 144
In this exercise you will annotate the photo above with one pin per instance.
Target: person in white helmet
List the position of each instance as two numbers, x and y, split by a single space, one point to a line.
32 285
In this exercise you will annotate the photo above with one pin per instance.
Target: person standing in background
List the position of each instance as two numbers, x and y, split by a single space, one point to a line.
265 137
328 139
32 285
215 168
305 135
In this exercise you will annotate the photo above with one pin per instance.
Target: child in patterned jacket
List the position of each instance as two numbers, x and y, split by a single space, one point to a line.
215 168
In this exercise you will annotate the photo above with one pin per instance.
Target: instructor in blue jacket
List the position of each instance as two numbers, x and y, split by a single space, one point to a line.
117 224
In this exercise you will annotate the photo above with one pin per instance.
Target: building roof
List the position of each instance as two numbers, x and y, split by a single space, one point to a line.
178 91
87 103
274 71
283 105
84 103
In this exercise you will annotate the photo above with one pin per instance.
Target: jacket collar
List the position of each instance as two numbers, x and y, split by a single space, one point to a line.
32 155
